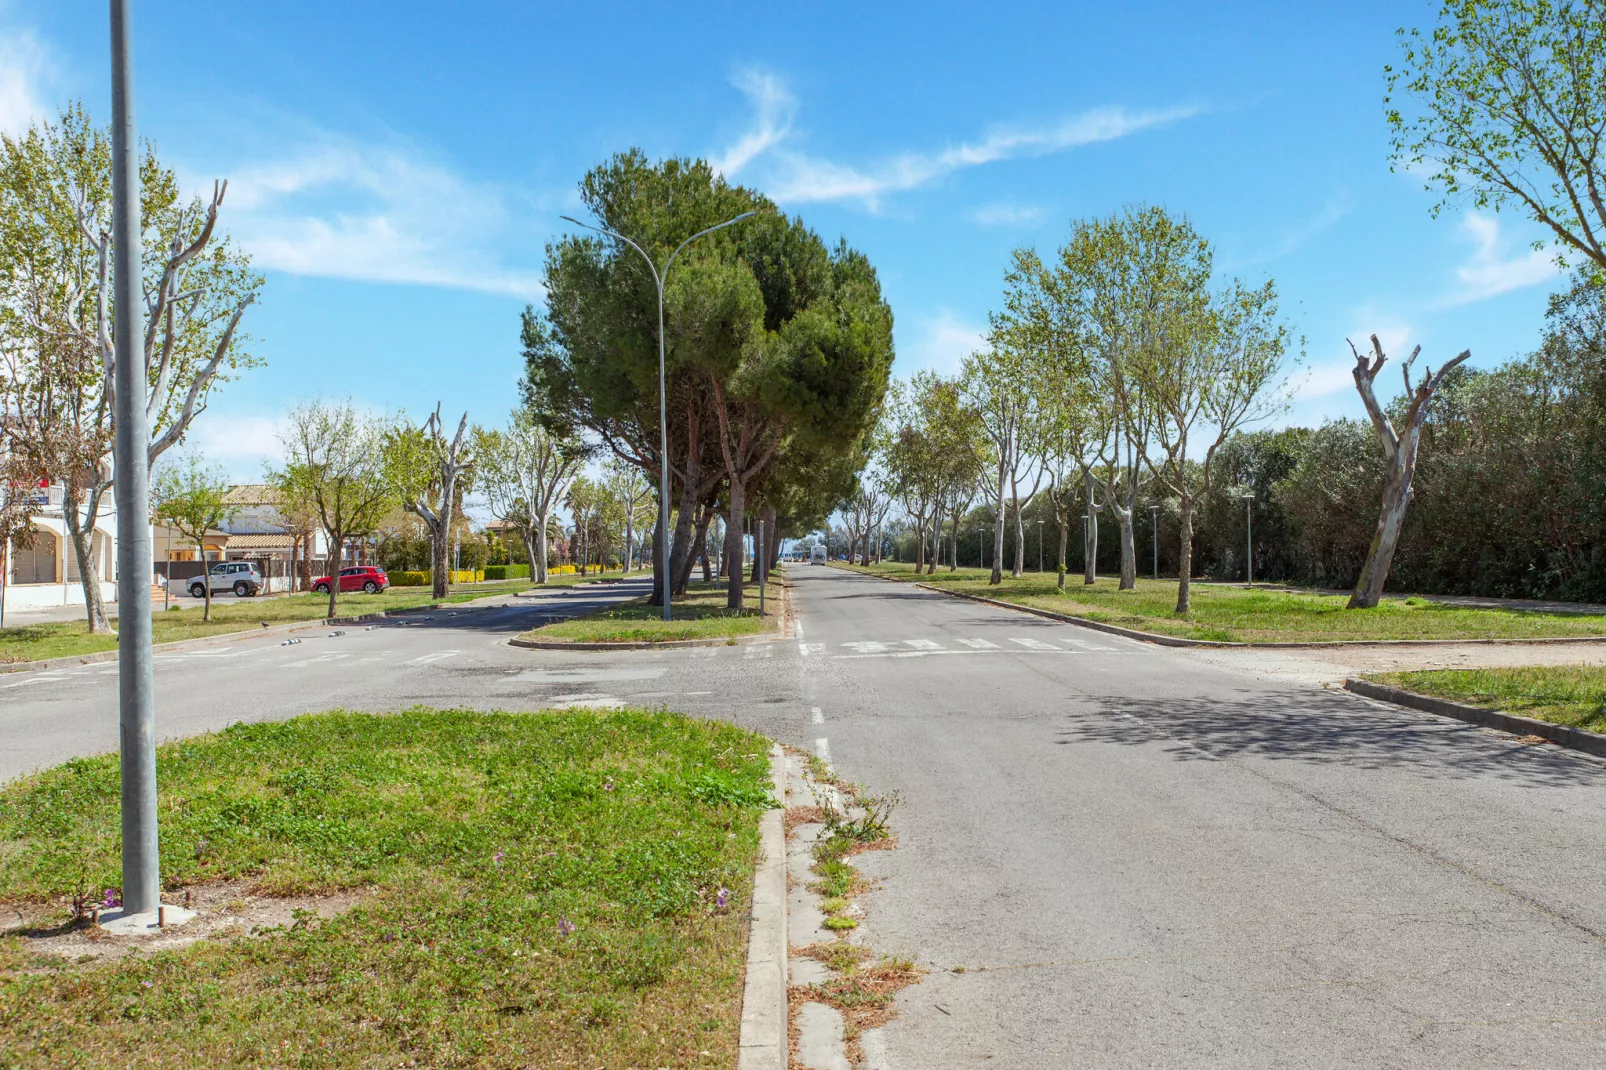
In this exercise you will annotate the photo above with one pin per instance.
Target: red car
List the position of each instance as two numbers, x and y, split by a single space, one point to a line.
365 578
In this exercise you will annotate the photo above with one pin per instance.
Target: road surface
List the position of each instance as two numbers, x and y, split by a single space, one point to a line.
1110 854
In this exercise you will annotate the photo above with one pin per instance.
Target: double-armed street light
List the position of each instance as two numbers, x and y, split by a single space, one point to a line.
658 278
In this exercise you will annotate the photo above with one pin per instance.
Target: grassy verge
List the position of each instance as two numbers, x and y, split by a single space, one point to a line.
1234 614
1573 696
533 890
700 615
59 639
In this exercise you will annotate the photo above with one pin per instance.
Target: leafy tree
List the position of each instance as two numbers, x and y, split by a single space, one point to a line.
193 497
335 458
56 252
1504 102
433 475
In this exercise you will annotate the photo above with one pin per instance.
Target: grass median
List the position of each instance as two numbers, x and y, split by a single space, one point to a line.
526 890
60 639
1237 614
701 614
1574 695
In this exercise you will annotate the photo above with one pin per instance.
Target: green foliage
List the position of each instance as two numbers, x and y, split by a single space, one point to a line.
409 578
1569 695
505 572
468 838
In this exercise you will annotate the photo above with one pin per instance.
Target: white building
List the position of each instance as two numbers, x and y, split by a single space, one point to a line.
46 574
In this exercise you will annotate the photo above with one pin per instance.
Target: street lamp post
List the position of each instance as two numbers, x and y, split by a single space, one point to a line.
663 391
1039 546
1249 537
1154 526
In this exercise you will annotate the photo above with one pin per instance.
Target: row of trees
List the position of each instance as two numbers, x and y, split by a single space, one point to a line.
778 353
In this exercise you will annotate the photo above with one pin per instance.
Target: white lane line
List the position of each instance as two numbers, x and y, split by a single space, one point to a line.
1034 644
433 655
765 650
822 750
815 716
698 692
922 644
314 661
980 644
797 627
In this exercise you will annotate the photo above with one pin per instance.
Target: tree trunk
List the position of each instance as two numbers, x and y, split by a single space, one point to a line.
630 539
538 553
1185 555
1129 553
997 575
660 579
83 544
1090 540
306 562
206 581
1065 536
1369 584
1020 542
735 506
336 548
681 549
439 552
698 545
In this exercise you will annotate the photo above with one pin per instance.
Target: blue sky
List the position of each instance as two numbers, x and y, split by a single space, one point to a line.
397 168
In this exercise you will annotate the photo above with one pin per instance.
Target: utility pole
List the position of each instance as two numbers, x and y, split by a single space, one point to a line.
1249 536
760 559
136 699
1039 546
1154 528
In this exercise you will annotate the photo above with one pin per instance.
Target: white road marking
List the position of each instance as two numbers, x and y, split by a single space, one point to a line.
797 626
314 661
806 649
980 644
1033 644
869 646
433 655
815 716
587 676
1083 644
922 644
822 750
699 692
758 650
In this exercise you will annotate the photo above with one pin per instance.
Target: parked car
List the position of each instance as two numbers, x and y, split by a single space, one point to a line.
364 578
241 577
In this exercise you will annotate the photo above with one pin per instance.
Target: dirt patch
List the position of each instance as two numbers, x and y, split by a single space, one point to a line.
225 909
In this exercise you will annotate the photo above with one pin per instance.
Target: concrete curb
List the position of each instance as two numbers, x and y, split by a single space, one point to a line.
1176 641
1562 735
224 637
763 1042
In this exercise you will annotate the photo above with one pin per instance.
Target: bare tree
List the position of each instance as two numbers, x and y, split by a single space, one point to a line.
1399 460
447 463
524 473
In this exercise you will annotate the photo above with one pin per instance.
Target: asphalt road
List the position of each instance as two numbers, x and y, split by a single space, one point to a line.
1110 854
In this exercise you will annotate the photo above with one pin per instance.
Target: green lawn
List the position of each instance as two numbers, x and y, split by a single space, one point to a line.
1234 614
1574 695
471 841
700 615
39 642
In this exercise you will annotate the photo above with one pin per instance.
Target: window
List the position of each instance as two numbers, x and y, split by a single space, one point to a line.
218 570
351 572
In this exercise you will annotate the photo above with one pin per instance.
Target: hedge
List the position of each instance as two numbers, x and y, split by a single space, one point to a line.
422 577
408 579
507 572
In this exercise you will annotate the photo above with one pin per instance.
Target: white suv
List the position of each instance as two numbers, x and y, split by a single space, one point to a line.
241 577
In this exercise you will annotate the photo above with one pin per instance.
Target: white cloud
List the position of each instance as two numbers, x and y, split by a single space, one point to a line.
1331 374
1490 272
241 443
790 176
1009 215
379 213
942 343
24 65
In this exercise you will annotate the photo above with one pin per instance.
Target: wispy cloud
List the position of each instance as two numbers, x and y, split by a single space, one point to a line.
375 212
1297 236
793 177
1009 215
1331 373
942 342
1490 271
24 68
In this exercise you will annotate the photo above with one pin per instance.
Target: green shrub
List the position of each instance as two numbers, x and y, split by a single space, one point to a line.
507 572
409 579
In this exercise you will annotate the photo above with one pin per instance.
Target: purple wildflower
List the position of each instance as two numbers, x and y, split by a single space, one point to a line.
722 898
565 926
112 899
497 858
147 984
607 785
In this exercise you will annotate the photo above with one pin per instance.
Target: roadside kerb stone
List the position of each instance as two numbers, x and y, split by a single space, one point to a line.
558 644
821 1044
763 1041
1562 735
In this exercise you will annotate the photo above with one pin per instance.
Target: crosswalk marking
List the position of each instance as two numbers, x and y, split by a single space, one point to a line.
1083 644
433 655
922 644
980 644
869 646
764 650
1032 644
313 661
805 649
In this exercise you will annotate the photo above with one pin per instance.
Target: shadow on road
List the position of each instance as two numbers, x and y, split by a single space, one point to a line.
1330 729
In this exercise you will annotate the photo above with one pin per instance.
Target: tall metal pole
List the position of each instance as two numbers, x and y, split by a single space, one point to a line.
1154 527
1039 546
136 703
658 278
1249 537
760 559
